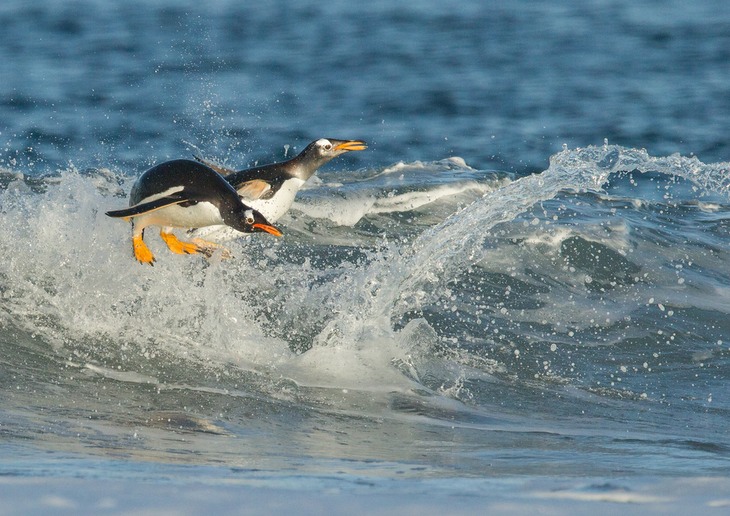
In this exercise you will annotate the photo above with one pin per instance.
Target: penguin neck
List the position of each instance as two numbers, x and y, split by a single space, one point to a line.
303 166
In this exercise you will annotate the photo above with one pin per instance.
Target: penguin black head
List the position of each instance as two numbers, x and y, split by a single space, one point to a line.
329 148
247 220
323 150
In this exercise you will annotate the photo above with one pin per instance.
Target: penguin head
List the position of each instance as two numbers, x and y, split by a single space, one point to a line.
321 151
248 220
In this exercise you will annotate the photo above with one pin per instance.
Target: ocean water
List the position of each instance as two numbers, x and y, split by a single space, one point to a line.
516 299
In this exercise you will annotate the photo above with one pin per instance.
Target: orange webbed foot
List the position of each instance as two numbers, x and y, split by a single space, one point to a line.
177 246
141 252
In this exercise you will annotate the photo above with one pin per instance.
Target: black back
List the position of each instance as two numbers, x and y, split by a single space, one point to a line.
305 163
302 166
186 183
200 183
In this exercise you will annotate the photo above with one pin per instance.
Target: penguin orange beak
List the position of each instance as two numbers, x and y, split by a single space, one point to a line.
269 229
351 145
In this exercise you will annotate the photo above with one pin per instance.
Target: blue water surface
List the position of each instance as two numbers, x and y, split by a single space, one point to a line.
502 85
517 297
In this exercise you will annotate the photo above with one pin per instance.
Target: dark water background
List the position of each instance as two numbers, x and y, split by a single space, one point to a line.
522 282
502 85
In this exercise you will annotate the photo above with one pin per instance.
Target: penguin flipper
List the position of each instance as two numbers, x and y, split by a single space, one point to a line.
146 207
254 189
218 168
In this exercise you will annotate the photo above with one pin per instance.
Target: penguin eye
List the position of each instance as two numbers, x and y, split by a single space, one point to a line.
323 145
249 217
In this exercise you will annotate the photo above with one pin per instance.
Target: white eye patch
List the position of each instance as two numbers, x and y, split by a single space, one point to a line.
249 216
324 143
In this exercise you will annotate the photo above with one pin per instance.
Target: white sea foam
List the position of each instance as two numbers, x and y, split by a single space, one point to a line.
349 210
459 239
68 275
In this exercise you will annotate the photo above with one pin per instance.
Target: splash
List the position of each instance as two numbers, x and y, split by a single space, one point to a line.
351 209
459 240
322 314
68 276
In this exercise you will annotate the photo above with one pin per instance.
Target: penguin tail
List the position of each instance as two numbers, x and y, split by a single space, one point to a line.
120 214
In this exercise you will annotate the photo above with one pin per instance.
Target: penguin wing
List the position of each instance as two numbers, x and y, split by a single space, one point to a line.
254 189
146 207
218 168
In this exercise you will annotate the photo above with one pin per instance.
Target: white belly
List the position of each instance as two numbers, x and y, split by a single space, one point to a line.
273 209
196 216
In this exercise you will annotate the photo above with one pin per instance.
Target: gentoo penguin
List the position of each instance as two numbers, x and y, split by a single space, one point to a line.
271 189
185 194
